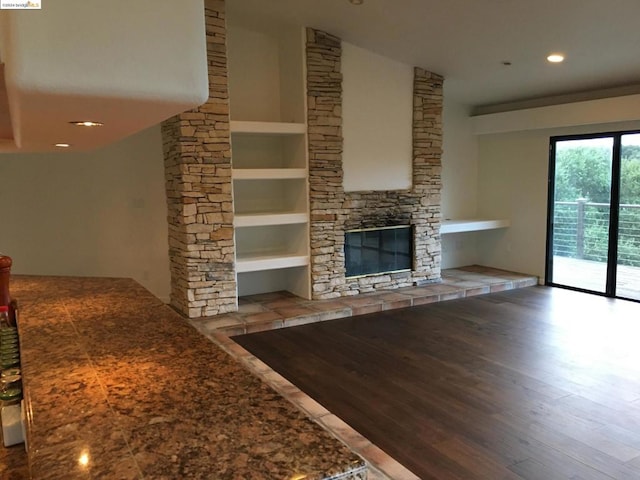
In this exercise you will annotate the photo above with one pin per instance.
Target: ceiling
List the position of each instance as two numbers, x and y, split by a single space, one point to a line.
125 65
78 60
466 41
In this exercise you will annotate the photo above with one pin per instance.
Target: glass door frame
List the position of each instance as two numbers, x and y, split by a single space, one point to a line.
614 210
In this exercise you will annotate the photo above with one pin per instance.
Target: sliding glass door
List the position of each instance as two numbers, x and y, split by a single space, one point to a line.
628 261
593 239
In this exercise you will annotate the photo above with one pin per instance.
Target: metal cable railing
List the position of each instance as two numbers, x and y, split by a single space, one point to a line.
581 231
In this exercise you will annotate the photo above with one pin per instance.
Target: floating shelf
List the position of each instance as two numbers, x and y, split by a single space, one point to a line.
270 262
267 128
263 219
474 225
268 173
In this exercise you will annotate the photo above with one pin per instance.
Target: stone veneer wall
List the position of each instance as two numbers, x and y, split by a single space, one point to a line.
334 211
197 152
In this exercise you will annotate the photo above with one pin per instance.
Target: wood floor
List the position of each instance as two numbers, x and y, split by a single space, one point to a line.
535 383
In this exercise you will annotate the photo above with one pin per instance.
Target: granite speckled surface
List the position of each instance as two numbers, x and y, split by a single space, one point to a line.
119 386
13 463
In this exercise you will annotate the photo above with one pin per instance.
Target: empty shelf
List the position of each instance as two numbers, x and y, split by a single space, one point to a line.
268 173
261 219
270 262
267 128
473 225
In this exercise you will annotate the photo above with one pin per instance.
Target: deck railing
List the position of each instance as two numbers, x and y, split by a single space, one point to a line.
581 229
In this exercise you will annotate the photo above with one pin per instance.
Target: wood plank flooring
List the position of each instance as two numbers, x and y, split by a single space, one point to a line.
536 383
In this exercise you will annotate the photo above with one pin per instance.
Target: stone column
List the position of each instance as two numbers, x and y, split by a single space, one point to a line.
197 152
427 172
324 120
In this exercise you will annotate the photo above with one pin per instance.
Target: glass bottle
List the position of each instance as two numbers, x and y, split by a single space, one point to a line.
5 271
5 295
4 316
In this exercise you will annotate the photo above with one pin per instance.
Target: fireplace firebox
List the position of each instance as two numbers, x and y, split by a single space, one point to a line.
371 251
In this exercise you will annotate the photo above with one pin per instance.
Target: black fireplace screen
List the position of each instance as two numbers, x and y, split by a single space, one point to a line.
378 250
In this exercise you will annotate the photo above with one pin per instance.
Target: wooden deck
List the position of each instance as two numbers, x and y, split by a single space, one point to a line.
592 275
535 383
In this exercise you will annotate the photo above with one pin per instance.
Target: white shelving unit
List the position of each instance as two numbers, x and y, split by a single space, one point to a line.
269 161
471 225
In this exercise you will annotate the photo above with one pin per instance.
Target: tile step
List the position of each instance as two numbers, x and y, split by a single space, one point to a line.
274 310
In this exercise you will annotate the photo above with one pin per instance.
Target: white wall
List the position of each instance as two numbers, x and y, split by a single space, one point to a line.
459 183
266 74
254 76
512 184
377 113
100 213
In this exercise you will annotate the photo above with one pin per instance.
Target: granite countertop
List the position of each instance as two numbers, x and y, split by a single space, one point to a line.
119 386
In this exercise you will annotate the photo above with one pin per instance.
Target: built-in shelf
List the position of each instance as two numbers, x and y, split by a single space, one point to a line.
270 262
267 128
264 219
473 225
269 159
268 173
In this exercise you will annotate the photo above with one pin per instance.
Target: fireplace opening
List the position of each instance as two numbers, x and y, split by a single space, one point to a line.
371 251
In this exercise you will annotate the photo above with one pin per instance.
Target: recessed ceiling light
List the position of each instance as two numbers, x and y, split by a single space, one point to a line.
86 123
63 145
356 2
556 58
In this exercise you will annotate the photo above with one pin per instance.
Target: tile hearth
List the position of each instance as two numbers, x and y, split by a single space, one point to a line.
269 311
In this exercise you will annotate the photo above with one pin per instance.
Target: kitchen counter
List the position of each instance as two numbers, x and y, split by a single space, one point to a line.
119 386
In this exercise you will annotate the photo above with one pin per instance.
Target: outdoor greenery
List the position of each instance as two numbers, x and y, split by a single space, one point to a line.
583 174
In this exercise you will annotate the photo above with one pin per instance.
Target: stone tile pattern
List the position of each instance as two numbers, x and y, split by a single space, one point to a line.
273 310
112 373
13 463
334 211
197 153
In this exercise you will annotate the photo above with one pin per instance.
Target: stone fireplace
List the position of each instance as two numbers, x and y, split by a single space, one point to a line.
334 211
198 171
